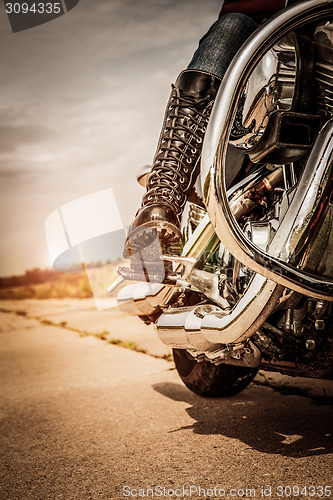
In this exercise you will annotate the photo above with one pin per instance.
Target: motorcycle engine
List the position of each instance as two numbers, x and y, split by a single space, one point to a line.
277 119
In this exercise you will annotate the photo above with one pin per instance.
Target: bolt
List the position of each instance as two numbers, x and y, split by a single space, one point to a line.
310 344
319 324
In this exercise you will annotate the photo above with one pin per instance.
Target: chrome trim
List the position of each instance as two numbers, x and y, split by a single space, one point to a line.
270 87
314 178
141 299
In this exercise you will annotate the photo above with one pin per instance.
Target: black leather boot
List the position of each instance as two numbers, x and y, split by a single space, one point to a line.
176 163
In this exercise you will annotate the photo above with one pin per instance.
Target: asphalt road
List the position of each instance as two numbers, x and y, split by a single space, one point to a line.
84 419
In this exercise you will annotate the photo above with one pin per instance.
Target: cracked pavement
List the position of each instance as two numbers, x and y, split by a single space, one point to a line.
81 418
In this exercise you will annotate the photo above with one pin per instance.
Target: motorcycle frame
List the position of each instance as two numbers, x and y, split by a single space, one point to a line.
183 327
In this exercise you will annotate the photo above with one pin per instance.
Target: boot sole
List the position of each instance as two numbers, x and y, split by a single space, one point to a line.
138 240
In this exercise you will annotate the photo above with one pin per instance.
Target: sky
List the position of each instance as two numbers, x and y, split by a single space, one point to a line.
82 100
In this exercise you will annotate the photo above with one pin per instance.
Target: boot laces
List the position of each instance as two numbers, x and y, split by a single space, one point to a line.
180 147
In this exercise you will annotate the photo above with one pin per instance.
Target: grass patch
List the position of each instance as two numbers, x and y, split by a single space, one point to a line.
127 345
45 284
133 347
21 313
19 293
48 322
50 284
166 357
104 335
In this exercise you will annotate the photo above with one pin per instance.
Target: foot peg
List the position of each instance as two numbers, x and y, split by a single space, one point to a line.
153 271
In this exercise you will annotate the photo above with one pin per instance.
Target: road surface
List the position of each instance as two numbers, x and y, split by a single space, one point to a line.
84 419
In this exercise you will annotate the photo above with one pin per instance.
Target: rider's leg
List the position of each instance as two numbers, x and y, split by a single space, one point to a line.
221 42
176 162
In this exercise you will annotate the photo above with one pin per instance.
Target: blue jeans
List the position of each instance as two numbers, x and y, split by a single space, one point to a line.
219 45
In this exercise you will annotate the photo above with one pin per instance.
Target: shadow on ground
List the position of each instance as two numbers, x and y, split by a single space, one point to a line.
291 426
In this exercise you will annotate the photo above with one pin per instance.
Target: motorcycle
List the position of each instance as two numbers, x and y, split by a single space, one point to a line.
253 286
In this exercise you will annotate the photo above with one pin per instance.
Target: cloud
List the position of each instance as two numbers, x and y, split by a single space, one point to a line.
82 102
11 137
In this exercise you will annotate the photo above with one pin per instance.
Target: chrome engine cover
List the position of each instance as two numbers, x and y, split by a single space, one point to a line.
270 87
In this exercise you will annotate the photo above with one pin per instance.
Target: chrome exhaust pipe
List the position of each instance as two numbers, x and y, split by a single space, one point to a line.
207 327
180 328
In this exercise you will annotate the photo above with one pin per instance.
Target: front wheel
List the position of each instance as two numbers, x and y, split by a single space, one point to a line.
206 379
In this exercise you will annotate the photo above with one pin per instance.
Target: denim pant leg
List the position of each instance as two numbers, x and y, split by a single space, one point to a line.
219 45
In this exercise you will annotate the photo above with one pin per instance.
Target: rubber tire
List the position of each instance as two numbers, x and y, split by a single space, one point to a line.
206 379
